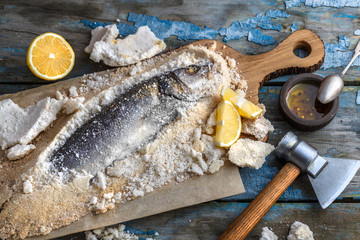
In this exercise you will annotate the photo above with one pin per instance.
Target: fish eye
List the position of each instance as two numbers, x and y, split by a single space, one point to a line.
193 69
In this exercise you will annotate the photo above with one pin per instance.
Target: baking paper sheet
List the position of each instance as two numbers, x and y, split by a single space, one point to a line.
175 195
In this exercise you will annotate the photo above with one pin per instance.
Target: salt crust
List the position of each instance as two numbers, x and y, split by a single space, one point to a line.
267 234
258 127
113 233
73 104
73 93
121 52
300 231
27 187
183 149
249 153
21 126
105 34
18 151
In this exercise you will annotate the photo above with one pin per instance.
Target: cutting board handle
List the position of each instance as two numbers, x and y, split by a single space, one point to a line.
258 69
283 61
247 220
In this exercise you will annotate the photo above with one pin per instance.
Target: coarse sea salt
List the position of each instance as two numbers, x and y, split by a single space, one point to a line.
267 234
19 151
121 52
27 187
249 153
300 231
21 125
111 233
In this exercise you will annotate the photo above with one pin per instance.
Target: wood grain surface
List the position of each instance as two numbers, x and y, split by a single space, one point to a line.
207 221
259 69
21 21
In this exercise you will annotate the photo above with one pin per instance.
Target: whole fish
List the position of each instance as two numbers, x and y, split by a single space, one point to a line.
131 121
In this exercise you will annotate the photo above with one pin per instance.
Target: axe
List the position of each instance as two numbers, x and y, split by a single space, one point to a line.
328 177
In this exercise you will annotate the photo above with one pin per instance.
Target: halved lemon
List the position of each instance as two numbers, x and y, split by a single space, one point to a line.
228 125
246 108
50 56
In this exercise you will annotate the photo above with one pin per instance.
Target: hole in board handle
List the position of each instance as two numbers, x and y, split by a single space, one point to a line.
302 49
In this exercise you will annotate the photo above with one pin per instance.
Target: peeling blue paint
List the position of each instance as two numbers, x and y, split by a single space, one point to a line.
331 152
166 28
142 234
276 13
336 56
344 42
254 181
238 29
13 50
134 231
293 3
322 3
255 35
93 24
188 31
338 59
357 32
124 29
161 28
344 15
294 27
9 7
292 193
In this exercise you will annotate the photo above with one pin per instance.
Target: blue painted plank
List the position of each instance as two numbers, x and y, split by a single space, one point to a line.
209 220
9 88
322 3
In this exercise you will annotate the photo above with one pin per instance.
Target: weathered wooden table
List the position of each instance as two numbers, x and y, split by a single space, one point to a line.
22 21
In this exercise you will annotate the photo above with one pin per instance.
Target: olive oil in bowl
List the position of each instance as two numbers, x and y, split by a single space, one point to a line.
301 100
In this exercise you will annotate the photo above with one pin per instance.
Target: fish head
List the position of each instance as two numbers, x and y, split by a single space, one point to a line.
193 75
183 82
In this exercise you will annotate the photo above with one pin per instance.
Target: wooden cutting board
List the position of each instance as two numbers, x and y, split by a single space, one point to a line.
257 69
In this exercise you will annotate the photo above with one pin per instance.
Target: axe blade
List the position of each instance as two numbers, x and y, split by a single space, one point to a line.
333 179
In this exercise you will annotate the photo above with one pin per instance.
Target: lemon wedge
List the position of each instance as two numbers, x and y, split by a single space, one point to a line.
228 125
246 108
50 56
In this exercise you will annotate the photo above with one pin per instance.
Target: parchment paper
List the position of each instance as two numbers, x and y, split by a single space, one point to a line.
205 188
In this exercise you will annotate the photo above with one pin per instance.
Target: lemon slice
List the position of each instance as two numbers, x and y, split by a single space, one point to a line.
246 108
50 56
228 125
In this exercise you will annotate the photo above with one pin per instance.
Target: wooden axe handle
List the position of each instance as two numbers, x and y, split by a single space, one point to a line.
247 220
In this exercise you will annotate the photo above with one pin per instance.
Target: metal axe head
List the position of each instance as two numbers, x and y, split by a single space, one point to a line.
328 176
